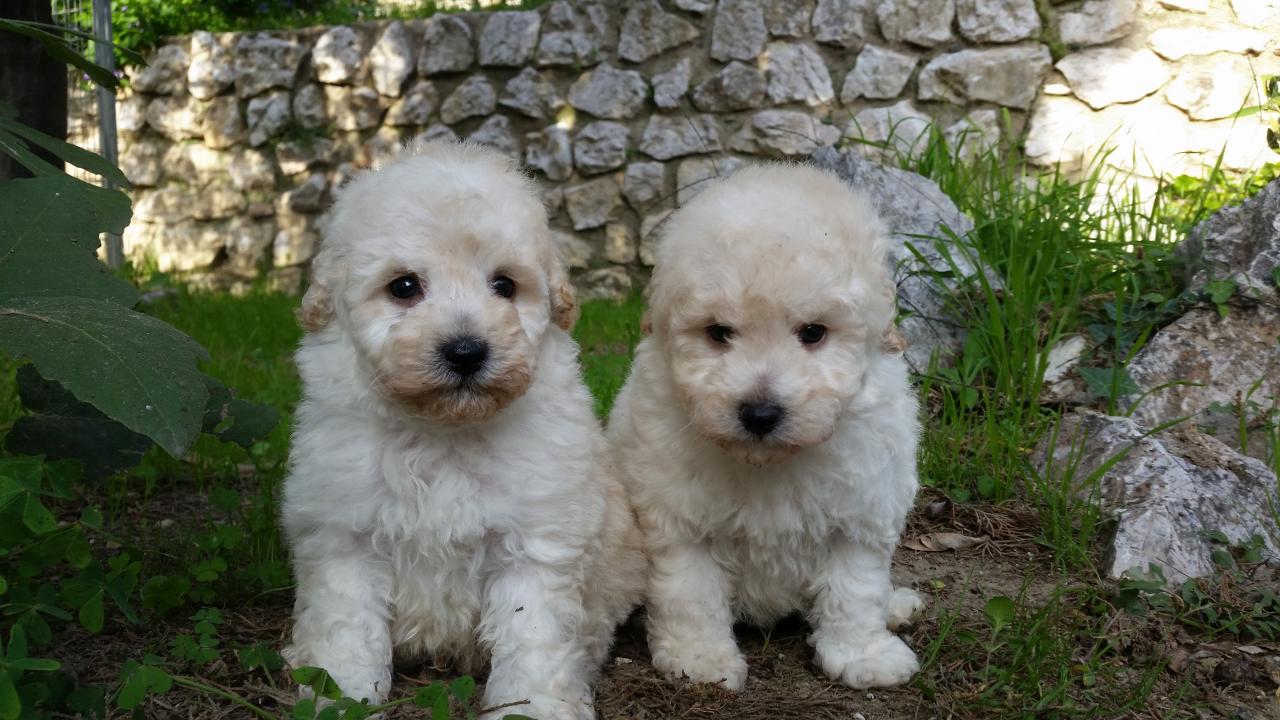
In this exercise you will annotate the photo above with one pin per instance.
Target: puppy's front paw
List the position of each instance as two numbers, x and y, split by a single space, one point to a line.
904 604
878 660
707 662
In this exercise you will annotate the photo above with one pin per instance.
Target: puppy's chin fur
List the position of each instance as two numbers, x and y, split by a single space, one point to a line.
758 453
458 403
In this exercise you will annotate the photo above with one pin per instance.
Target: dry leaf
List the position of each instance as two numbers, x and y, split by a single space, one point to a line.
1251 650
942 541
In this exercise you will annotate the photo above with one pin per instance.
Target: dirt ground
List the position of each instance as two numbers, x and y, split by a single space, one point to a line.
783 682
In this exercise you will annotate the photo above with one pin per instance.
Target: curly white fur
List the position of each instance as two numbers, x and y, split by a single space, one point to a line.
476 519
806 517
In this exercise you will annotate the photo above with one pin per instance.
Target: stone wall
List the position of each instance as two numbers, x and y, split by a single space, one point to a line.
235 143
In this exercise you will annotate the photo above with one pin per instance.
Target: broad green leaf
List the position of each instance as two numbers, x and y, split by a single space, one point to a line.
130 366
91 517
49 241
17 644
463 688
318 680
78 552
139 681
36 664
999 611
249 421
91 613
81 158
10 704
37 517
4 585
1102 381
428 695
1220 291
60 426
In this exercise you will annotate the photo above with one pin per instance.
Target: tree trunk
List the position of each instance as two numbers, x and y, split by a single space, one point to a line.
31 82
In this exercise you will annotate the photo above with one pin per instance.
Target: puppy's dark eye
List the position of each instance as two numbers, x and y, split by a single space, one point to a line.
719 334
405 287
503 286
812 334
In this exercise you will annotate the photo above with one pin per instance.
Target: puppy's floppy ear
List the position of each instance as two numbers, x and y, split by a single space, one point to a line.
317 304
563 299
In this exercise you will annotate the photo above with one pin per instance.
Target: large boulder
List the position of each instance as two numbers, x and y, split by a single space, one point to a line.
913 206
1166 491
1213 368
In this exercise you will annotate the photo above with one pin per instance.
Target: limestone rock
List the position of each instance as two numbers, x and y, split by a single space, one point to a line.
496 132
913 207
416 107
211 71
737 86
667 137
131 114
1257 13
309 107
447 46
309 197
1059 133
436 132
251 170
840 22
609 93
509 38
920 22
296 239
593 203
1062 381
573 250
788 18
1175 43
264 62
551 151
353 108
878 74
143 161
530 93
391 60
695 174
165 72
218 202
796 73
697 7
1239 243
650 231
223 126
672 84
1195 6
649 31
176 118
644 184
169 204
179 247
1006 76
610 283
573 34
298 156
998 21
738 31
1212 88
246 244
338 55
619 243
195 165
475 96
975 133
268 115
900 126
600 147
380 148
1097 22
784 133
1102 76
1166 491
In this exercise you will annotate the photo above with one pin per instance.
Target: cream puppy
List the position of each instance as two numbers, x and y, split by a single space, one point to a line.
450 491
767 433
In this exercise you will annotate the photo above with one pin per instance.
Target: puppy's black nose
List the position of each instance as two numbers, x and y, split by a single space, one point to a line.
760 418
465 356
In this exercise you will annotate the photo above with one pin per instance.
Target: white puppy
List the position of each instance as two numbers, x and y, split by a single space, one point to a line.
450 491
767 433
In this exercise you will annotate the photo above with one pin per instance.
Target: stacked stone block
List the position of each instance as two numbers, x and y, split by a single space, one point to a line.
622 110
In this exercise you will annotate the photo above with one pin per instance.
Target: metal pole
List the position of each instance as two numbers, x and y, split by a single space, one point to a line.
104 55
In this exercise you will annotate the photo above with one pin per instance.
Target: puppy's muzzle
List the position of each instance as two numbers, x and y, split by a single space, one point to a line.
760 418
464 356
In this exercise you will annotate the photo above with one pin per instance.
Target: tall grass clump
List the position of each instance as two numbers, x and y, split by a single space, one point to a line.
1085 253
